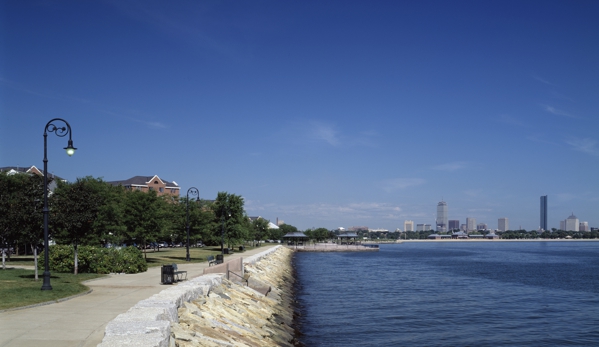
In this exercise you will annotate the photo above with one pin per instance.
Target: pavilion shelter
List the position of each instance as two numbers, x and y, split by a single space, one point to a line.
348 238
295 238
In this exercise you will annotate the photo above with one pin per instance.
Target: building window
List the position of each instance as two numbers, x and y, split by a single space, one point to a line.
173 190
161 189
138 188
151 188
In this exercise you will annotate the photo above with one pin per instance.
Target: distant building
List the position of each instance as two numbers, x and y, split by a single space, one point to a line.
454 224
358 228
470 224
408 225
481 226
571 223
419 227
584 226
503 224
427 227
149 183
463 227
543 223
441 223
32 170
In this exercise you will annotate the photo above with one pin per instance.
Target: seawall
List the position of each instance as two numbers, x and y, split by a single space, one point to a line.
211 310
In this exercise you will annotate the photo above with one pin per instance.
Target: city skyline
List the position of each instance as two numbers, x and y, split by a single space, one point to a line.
322 114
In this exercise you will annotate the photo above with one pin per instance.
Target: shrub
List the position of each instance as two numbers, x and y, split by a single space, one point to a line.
96 259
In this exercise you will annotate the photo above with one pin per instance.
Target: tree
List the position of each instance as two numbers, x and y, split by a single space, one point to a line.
22 205
259 229
143 216
228 210
75 207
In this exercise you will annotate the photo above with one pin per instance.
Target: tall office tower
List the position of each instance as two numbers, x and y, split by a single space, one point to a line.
470 224
481 226
503 224
408 225
442 216
572 223
419 227
427 227
454 224
544 212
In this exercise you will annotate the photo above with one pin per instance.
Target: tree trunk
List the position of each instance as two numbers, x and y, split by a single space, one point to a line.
3 259
76 260
34 260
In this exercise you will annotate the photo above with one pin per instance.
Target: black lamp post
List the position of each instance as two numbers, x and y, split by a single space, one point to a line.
196 192
60 132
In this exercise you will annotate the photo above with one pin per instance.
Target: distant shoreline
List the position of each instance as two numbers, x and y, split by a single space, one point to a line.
487 240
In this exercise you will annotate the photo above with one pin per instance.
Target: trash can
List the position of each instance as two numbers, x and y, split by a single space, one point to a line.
219 258
241 248
167 274
226 251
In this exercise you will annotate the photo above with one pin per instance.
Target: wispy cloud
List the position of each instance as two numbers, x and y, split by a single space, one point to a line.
504 118
324 132
542 80
401 183
585 145
557 112
149 124
456 165
329 212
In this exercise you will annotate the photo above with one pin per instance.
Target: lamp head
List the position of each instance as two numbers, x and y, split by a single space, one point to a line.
70 149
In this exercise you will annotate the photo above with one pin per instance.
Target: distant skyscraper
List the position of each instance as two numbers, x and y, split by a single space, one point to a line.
454 224
408 225
544 212
470 224
419 227
481 226
584 226
442 216
503 224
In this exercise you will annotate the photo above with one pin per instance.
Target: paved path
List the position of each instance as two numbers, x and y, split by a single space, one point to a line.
81 321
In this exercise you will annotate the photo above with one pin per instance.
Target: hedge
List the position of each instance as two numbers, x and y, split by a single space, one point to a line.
95 259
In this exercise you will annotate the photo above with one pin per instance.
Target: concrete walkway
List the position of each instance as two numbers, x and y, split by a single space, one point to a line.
81 320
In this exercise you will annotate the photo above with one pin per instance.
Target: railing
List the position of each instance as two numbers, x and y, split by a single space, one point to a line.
246 279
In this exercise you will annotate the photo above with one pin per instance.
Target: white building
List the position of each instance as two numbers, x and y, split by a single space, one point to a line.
408 225
470 224
584 226
503 224
571 223
482 226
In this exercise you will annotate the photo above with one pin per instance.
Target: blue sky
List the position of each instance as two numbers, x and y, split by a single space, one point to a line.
322 114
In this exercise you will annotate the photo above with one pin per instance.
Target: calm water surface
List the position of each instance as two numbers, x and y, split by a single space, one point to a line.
452 294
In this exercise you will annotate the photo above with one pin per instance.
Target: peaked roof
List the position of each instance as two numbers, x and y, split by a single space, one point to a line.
29 169
143 181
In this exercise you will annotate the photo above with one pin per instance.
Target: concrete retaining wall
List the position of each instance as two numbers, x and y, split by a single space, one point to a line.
257 257
148 323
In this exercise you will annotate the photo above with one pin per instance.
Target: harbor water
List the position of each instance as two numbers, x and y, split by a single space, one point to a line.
451 294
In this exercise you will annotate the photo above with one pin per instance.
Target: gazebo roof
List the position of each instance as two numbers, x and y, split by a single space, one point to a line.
295 235
348 234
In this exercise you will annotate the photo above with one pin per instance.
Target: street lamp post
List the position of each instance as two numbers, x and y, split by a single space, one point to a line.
196 192
60 132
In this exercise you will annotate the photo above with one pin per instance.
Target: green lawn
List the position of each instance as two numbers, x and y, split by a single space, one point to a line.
18 287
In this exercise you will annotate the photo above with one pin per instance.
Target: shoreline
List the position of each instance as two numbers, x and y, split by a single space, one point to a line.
484 240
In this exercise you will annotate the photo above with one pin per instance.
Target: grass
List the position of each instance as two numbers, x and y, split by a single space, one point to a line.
18 287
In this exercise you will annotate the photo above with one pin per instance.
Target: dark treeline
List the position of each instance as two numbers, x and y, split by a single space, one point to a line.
91 212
